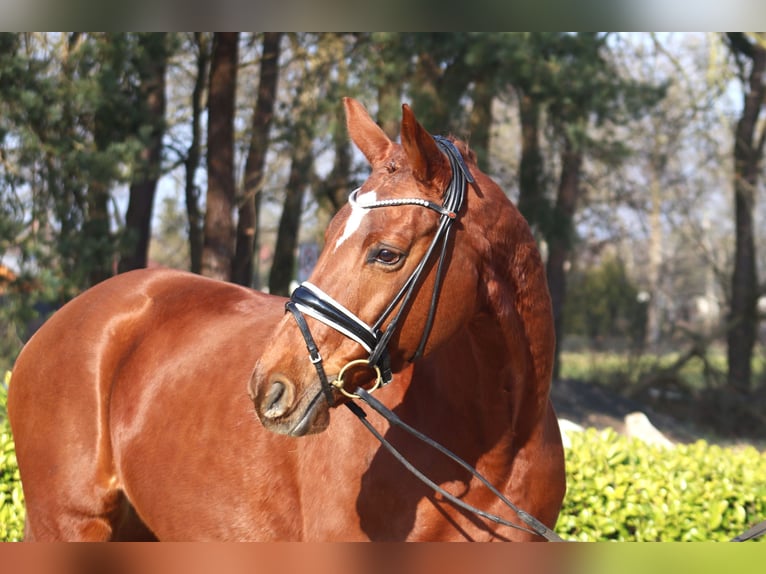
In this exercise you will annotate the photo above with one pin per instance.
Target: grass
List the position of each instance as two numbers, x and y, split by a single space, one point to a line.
626 369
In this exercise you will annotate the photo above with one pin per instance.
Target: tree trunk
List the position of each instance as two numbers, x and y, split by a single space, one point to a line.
247 224
338 184
532 202
748 150
656 241
282 268
219 230
390 108
481 120
96 235
333 192
138 219
560 239
193 153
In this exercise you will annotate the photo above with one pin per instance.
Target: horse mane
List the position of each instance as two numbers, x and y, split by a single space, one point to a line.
515 286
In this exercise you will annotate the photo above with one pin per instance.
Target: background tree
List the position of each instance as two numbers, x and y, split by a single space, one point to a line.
750 135
602 304
219 227
311 64
70 138
152 55
390 55
201 45
283 267
569 81
673 187
332 191
249 202
169 246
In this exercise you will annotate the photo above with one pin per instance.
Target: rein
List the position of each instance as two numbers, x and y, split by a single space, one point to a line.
535 526
752 533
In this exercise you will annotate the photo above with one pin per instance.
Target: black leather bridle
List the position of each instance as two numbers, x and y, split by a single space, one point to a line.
308 299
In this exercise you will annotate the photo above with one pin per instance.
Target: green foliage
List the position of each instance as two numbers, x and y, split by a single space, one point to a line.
12 511
71 127
622 489
25 303
602 303
10 345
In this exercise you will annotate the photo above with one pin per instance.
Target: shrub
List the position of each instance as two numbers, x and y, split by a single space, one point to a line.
11 497
623 489
602 304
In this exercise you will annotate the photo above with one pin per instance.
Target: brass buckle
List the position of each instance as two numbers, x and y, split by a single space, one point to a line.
338 382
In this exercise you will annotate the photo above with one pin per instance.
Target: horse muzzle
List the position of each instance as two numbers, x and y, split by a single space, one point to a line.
281 410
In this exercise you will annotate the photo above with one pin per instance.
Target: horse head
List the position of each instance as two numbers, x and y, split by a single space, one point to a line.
393 281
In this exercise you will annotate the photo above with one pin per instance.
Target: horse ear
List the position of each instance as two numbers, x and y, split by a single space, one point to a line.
428 163
368 136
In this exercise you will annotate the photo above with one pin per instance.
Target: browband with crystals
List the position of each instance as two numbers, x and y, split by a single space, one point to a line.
397 202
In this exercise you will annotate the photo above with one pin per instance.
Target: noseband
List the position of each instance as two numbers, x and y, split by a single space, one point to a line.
308 299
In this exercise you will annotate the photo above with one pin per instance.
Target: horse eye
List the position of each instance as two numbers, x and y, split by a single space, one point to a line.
387 256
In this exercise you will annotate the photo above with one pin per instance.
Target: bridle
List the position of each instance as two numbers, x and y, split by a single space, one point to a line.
308 299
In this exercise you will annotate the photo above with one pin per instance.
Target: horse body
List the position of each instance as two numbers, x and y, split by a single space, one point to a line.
124 383
132 419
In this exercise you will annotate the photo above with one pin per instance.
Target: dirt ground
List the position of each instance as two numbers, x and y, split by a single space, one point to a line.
681 418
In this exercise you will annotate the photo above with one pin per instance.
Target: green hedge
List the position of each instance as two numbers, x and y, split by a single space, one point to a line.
617 489
623 489
11 497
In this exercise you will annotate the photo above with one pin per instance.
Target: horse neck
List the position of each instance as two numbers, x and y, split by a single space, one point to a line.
504 354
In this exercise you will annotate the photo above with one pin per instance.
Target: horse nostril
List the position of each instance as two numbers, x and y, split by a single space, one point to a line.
277 399
276 392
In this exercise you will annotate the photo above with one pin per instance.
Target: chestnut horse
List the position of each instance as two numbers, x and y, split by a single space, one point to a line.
130 406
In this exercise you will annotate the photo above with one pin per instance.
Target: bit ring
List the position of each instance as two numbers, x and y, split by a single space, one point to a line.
338 382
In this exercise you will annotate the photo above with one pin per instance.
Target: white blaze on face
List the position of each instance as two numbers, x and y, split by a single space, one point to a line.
354 220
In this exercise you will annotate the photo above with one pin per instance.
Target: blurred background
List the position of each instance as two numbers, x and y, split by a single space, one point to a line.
637 159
